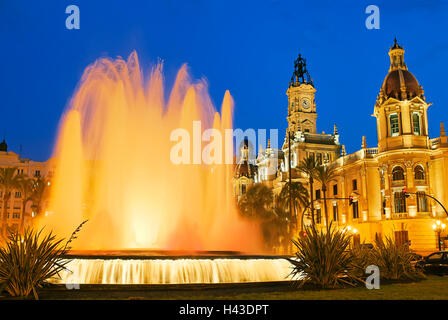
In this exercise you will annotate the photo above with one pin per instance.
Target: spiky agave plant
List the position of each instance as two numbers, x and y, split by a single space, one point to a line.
394 260
28 260
362 257
323 259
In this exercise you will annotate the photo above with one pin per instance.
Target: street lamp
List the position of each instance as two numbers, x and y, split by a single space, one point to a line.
439 227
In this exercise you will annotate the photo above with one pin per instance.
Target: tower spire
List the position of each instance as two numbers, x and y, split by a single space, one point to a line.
300 74
443 137
364 143
4 146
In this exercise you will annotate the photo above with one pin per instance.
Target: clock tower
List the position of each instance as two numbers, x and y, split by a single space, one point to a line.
301 103
301 136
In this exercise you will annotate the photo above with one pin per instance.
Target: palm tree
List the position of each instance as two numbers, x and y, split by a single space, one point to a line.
299 195
257 202
325 174
39 192
9 180
308 166
26 187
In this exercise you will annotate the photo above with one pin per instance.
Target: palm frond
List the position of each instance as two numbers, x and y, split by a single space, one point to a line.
28 260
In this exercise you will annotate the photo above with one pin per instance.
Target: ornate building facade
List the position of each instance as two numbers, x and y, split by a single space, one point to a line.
404 159
14 207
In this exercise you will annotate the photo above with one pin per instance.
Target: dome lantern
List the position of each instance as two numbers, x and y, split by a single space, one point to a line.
399 83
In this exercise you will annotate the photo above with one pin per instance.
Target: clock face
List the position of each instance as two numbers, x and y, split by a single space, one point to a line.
306 103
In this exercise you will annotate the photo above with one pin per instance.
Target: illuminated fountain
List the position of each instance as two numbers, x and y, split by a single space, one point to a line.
113 167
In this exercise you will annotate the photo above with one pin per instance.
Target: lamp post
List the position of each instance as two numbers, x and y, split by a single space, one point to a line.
438 227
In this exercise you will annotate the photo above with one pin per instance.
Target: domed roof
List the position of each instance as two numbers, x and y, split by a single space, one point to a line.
245 169
400 79
399 83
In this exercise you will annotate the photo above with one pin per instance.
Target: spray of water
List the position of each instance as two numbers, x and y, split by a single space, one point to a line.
112 166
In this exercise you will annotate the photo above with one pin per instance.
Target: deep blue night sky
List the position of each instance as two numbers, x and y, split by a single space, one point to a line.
247 47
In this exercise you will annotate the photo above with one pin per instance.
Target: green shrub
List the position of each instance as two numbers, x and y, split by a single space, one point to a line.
362 258
27 261
393 260
323 259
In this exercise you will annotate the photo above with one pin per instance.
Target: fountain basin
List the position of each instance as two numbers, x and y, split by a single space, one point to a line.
134 270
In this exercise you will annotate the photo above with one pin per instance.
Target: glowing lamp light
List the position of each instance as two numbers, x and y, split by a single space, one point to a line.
355 230
434 226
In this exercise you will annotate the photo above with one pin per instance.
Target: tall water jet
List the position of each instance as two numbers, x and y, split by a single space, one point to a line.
112 165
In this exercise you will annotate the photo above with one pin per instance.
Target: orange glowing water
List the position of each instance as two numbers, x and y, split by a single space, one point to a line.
112 166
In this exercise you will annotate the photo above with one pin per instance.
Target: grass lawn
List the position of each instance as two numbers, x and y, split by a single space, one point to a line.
434 287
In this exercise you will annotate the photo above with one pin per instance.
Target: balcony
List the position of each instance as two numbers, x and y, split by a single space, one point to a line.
435 143
398 183
367 153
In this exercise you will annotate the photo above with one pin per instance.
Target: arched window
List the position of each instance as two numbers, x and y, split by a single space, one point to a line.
394 126
397 173
419 173
416 123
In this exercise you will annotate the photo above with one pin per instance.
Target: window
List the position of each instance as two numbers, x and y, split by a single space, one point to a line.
335 213
422 202
419 173
17 205
397 173
18 195
355 184
243 189
335 189
16 215
319 158
307 130
355 210
416 123
394 126
19 171
399 202
317 194
37 173
384 206
318 216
